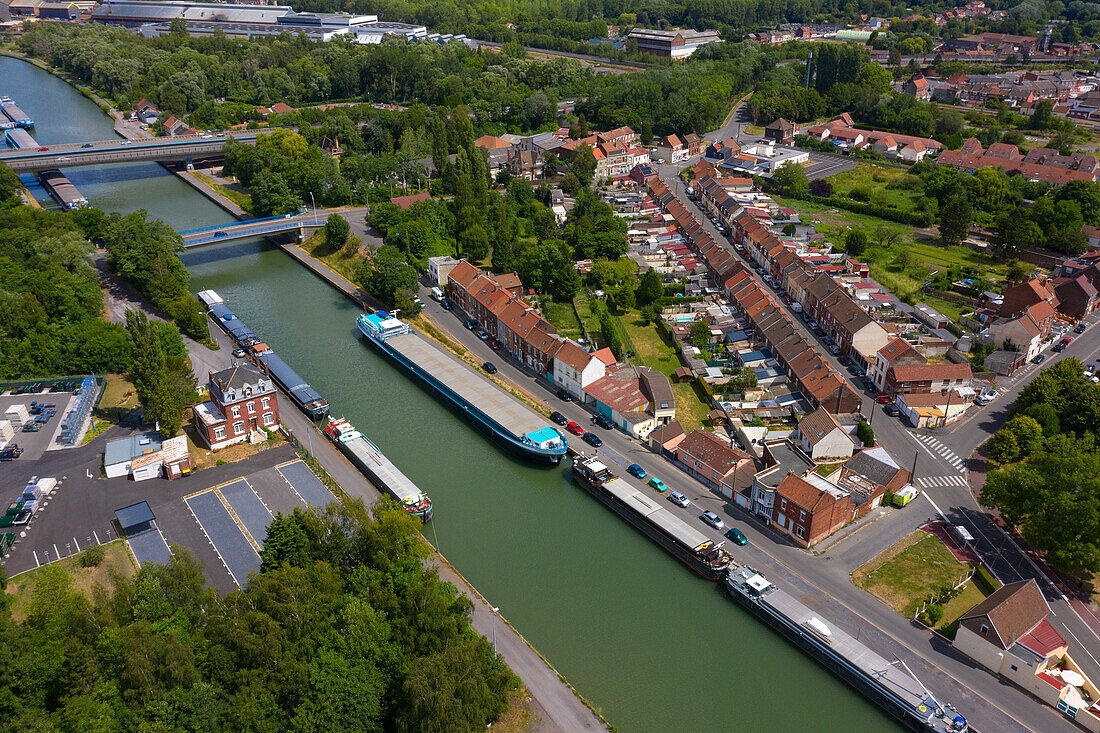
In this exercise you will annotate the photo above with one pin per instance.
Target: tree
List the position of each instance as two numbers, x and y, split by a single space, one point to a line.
337 230
1027 431
791 179
955 220
885 236
821 187
865 433
650 288
855 242
1003 446
159 371
699 333
271 196
287 543
386 274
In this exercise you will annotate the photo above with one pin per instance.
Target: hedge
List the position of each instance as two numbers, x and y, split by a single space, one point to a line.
985 580
911 218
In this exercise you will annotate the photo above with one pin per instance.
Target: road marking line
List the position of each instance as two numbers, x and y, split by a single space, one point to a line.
96 538
1083 647
36 563
77 544
938 511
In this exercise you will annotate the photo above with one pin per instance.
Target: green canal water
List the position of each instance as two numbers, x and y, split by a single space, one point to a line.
638 634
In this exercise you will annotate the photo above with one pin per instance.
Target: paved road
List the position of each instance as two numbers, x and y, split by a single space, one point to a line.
821 580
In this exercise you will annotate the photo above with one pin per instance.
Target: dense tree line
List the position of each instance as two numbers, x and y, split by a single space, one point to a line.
144 252
344 628
1050 487
160 371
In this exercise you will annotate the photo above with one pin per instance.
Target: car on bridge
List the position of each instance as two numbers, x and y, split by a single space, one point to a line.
218 234
85 146
43 149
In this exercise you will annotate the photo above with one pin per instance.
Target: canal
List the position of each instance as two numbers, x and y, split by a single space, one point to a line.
637 633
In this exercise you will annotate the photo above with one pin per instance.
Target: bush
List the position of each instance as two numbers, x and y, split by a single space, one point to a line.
93 556
985 580
1003 446
935 613
865 433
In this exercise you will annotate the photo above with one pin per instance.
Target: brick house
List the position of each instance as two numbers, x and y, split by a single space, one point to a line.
809 508
898 352
927 378
714 462
781 131
242 399
1077 297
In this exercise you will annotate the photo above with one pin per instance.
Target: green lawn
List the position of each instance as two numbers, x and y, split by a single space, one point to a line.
877 180
590 319
563 318
653 351
906 574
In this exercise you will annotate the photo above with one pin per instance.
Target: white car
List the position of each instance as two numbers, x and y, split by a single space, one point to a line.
713 520
678 499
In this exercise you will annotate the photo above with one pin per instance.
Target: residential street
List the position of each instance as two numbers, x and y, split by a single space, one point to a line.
821 581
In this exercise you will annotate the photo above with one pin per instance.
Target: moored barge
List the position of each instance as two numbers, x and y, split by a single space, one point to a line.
509 423
707 558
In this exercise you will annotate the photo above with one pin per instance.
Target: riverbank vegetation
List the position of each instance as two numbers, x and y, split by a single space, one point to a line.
344 628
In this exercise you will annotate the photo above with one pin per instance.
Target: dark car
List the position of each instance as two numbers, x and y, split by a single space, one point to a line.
239 353
85 146
737 536
489 367
558 418
603 421
1080 328
470 324
1039 359
891 410
219 234
845 361
446 304
593 440
855 370
563 395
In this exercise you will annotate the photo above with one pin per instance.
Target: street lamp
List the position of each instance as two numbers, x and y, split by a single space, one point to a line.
495 611
314 208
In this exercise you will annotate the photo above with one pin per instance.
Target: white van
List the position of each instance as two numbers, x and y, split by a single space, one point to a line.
437 294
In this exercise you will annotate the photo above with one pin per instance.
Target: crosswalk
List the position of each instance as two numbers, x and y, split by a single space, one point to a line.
942 451
930 482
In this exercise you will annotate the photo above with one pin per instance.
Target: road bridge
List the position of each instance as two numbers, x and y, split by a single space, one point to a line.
251 228
161 149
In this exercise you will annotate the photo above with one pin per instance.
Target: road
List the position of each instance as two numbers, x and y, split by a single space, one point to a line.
938 460
120 151
823 581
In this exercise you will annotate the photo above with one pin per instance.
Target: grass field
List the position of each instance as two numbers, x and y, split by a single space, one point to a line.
878 181
906 574
117 560
653 351
590 319
563 318
341 261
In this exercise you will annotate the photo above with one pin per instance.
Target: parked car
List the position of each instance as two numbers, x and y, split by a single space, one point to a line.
1039 359
558 418
219 234
470 324
713 520
1080 328
563 395
855 370
603 421
482 334
239 353
882 399
737 536
845 361
593 440
892 410
494 343
658 484
636 471
834 349
678 499
85 146
574 428
446 304
489 367
43 149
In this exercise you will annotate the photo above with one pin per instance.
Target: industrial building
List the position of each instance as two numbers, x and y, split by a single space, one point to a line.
677 43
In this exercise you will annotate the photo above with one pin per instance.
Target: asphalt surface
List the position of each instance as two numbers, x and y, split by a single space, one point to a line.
821 581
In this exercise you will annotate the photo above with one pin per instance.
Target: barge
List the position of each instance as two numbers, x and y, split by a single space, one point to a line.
375 466
304 396
16 115
899 693
707 558
495 413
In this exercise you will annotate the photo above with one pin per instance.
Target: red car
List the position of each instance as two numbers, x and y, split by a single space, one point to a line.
882 399
574 428
43 149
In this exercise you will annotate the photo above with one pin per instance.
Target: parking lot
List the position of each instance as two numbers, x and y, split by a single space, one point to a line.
34 444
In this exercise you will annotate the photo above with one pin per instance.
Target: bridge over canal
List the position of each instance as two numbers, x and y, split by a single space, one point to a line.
187 148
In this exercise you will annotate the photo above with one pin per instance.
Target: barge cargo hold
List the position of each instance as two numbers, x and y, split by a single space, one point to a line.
683 541
304 396
16 115
508 422
375 466
899 693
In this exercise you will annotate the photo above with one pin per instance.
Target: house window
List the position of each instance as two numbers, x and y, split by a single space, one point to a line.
268 418
984 630
1014 668
238 427
236 411
266 402
251 408
783 504
714 475
802 516
219 433
800 532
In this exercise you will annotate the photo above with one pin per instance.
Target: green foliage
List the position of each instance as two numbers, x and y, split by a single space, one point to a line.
387 275
955 220
91 557
650 287
865 433
855 242
935 613
699 333
1003 447
358 633
160 371
1027 431
791 179
337 231
609 330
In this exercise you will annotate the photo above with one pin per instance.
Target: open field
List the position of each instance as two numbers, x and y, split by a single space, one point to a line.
881 182
116 560
655 352
563 318
906 574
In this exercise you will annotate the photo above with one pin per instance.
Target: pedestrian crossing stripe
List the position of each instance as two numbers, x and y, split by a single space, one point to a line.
943 451
929 482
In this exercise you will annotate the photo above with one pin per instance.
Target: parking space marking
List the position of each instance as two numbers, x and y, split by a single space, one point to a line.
228 539
211 542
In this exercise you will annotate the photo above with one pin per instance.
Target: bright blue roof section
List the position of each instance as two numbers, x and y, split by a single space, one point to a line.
543 435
